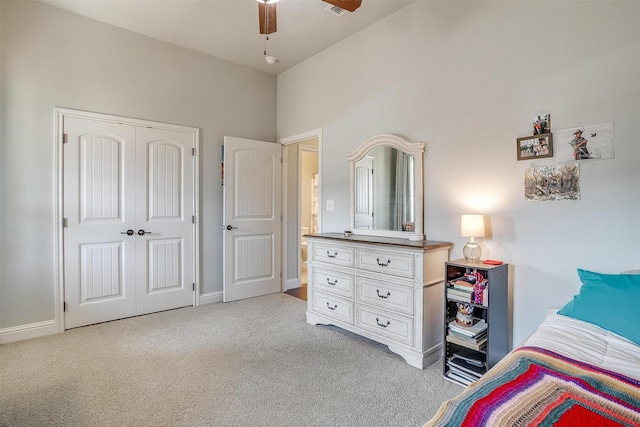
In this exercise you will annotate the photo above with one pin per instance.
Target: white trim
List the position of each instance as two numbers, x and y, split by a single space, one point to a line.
316 133
58 258
210 298
25 332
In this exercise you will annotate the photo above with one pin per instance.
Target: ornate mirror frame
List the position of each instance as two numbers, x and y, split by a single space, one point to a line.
413 148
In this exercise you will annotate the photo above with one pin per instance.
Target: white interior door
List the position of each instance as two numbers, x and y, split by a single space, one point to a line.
99 257
364 193
164 219
251 218
129 205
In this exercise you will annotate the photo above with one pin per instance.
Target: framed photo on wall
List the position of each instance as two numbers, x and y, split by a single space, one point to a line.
536 146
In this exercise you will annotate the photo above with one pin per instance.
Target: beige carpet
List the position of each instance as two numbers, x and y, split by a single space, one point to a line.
248 363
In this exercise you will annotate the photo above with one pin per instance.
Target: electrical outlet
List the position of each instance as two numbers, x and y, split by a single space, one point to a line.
330 205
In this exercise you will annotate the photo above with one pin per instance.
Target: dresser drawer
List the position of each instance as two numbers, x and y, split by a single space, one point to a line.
380 322
333 281
385 294
332 306
333 254
395 264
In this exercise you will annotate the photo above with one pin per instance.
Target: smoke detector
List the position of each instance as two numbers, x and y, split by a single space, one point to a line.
271 60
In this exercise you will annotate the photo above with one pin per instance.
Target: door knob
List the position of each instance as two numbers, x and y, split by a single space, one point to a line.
141 232
128 232
231 227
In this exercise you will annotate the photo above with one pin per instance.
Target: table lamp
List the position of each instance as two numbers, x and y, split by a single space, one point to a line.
472 226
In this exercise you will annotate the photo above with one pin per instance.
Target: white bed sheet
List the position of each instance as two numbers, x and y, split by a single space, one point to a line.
589 343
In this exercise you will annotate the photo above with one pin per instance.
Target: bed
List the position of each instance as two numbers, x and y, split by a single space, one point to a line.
581 367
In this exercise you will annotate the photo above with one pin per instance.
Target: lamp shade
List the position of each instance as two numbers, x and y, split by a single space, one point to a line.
472 226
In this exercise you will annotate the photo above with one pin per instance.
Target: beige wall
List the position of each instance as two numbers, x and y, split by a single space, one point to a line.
467 79
50 58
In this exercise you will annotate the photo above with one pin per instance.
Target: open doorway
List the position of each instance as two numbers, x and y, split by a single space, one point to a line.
302 193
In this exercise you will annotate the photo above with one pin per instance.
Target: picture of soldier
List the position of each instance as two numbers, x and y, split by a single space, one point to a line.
591 142
542 124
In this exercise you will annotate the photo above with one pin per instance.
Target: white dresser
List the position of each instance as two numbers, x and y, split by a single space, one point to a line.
386 289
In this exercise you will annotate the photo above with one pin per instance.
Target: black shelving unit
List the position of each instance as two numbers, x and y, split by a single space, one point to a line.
493 310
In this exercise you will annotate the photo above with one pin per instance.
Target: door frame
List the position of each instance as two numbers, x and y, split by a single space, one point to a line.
58 215
294 139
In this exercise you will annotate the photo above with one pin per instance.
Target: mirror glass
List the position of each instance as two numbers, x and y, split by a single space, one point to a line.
386 187
384 190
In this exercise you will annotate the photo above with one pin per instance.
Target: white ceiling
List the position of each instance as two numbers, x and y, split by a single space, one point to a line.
229 29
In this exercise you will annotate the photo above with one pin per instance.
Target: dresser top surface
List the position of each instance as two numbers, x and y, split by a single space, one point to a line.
383 241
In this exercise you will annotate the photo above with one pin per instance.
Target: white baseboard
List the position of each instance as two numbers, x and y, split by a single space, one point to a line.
31 330
210 298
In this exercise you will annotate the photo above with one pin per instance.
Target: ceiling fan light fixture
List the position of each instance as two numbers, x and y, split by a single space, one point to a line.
267 1
271 60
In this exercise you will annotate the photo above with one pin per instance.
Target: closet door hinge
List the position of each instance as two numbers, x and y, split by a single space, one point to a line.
194 287
193 151
65 306
64 222
64 138
193 219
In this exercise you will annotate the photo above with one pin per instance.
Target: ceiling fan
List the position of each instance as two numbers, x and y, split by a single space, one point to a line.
269 22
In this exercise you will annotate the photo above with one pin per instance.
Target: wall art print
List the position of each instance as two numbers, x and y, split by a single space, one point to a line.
591 142
542 124
561 182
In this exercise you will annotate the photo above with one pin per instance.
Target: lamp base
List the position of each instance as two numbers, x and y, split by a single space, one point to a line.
472 251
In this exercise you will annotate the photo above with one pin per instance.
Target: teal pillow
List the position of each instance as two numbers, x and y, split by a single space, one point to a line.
610 301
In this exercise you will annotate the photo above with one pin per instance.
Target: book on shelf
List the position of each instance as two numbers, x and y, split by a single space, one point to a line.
456 363
475 339
470 292
469 356
477 328
461 286
460 298
455 376
467 343
452 291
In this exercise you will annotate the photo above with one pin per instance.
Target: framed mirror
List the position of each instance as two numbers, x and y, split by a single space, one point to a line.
386 179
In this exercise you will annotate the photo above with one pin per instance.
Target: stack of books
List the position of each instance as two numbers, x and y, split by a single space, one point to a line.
473 337
465 368
464 289
461 295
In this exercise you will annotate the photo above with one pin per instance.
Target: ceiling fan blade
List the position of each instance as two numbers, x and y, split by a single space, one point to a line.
267 18
349 5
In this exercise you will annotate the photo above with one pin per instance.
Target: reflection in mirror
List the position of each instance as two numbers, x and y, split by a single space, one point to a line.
384 190
386 187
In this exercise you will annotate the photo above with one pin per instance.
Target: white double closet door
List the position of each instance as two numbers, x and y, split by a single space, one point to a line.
129 214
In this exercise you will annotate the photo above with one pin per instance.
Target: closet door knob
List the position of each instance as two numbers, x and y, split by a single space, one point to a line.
128 232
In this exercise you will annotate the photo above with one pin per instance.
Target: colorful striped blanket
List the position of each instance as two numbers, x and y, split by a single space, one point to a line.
536 387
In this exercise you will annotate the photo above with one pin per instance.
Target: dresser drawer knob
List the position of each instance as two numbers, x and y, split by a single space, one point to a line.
331 308
335 254
382 325
383 296
382 264
332 283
